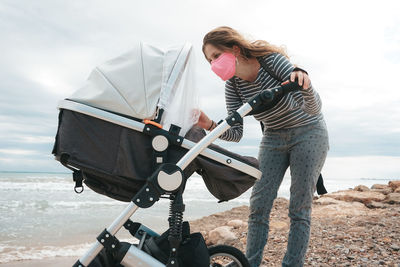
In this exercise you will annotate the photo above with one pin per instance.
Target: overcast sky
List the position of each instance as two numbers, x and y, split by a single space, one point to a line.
351 50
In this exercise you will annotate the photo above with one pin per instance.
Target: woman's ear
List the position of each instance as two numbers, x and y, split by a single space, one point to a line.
236 50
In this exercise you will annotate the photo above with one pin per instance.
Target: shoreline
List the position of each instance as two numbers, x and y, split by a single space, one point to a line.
46 262
355 227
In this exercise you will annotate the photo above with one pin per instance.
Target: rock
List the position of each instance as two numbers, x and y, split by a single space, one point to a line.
379 186
327 201
340 209
395 247
278 225
384 191
394 184
376 205
221 235
361 188
236 223
351 195
397 190
393 198
385 239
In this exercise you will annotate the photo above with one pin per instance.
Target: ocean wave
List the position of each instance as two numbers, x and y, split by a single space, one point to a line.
11 205
38 183
36 186
17 253
10 253
43 204
73 204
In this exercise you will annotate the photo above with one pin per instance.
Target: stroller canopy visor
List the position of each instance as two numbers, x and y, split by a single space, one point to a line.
136 82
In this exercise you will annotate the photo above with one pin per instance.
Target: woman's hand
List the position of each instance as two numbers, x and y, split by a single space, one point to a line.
204 121
302 79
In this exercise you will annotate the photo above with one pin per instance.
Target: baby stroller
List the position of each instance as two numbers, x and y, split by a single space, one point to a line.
113 135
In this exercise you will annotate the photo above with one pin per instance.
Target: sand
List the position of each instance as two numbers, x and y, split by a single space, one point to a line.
51 262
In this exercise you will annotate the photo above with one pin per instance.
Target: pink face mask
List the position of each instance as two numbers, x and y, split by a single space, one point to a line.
224 66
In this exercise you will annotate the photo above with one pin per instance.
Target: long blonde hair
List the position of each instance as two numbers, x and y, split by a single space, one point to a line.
225 38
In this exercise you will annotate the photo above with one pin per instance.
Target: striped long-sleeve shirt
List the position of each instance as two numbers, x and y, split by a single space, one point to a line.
295 109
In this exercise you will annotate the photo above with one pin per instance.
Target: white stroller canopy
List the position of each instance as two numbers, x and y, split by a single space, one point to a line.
136 82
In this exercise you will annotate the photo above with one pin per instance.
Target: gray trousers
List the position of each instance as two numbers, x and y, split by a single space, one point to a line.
304 149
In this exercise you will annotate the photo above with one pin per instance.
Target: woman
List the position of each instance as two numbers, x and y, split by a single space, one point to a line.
294 134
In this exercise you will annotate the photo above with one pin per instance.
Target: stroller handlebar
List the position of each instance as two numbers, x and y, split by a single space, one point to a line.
268 96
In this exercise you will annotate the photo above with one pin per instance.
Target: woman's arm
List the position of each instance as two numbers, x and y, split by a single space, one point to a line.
233 102
205 122
285 70
312 102
233 134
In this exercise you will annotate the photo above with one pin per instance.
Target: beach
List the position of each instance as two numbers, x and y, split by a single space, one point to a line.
355 227
50 262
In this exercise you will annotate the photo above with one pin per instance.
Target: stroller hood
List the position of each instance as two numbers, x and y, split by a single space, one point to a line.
135 83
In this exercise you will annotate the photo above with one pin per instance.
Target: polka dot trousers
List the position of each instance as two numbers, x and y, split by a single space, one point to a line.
304 150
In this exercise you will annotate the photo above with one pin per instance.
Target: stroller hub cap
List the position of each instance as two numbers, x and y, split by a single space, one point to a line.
160 143
169 182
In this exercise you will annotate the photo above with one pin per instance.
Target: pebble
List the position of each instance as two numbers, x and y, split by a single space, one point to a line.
395 247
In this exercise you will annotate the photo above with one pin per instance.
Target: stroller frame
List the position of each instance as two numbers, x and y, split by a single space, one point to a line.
167 179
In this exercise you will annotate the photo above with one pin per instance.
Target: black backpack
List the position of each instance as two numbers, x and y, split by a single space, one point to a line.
321 190
192 252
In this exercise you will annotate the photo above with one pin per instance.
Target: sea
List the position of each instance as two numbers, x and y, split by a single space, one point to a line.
42 217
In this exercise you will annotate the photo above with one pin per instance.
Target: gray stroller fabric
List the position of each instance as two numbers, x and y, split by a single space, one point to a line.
223 182
116 161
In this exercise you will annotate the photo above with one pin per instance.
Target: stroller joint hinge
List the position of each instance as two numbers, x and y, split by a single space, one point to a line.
148 195
171 135
132 227
108 241
234 119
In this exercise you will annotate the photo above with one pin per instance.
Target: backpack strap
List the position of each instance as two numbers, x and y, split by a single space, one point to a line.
267 69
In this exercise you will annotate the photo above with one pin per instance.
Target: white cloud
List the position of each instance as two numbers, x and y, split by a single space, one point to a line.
35 139
362 167
350 48
18 152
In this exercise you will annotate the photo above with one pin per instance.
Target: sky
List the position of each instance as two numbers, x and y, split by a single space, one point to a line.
351 49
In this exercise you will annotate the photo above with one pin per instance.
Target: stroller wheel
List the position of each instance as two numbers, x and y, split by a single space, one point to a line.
227 256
